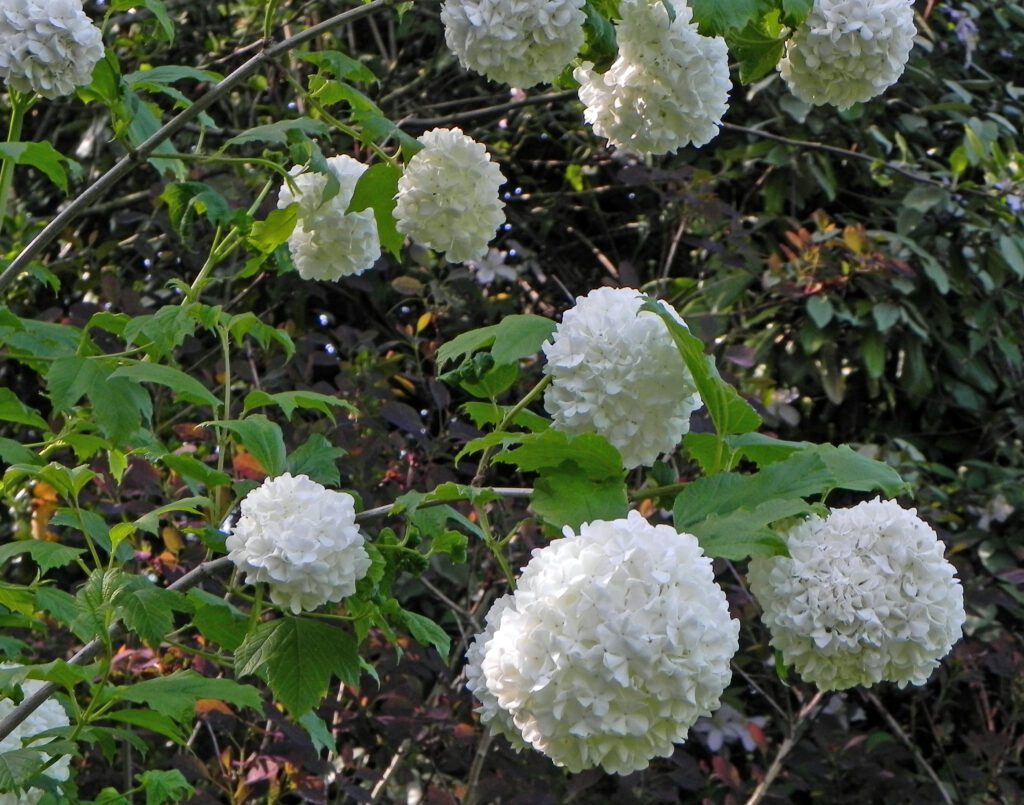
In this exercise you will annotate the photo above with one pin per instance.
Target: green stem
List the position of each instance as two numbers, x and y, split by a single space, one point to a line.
19 106
495 547
507 420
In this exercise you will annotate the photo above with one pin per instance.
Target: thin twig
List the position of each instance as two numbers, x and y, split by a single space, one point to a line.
803 719
473 114
846 153
396 761
126 164
895 727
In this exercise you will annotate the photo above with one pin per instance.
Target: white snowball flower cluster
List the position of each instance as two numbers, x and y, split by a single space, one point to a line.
517 42
668 87
49 715
300 538
448 196
849 51
865 596
614 643
47 46
328 243
616 371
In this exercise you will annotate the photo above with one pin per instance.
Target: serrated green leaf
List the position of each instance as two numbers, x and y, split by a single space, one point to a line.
593 454
150 521
426 632
158 334
48 555
150 720
218 620
317 458
195 471
165 786
376 190
297 657
339 65
262 438
278 133
42 156
275 229
567 496
718 16
515 337
12 409
729 412
744 532
148 611
289 401
175 695
184 386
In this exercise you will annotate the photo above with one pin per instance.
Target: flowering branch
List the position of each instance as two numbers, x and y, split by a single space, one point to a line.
127 163
84 655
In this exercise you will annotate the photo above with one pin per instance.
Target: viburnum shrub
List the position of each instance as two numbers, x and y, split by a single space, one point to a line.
614 638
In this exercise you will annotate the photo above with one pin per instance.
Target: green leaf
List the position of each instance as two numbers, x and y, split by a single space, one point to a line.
376 190
12 409
218 620
484 414
118 404
184 200
718 16
48 555
317 459
796 11
567 496
262 438
729 412
755 447
515 337
165 786
1012 251
758 47
801 475
158 334
275 230
339 65
184 386
288 401
150 720
278 133
744 532
151 521
297 657
148 610
12 452
18 766
42 156
593 454
318 732
426 632
175 695
851 470
194 470
171 73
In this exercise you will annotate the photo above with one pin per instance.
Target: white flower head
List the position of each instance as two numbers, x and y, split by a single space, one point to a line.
849 51
617 372
448 196
517 42
865 595
669 86
614 643
300 538
49 715
47 46
328 243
